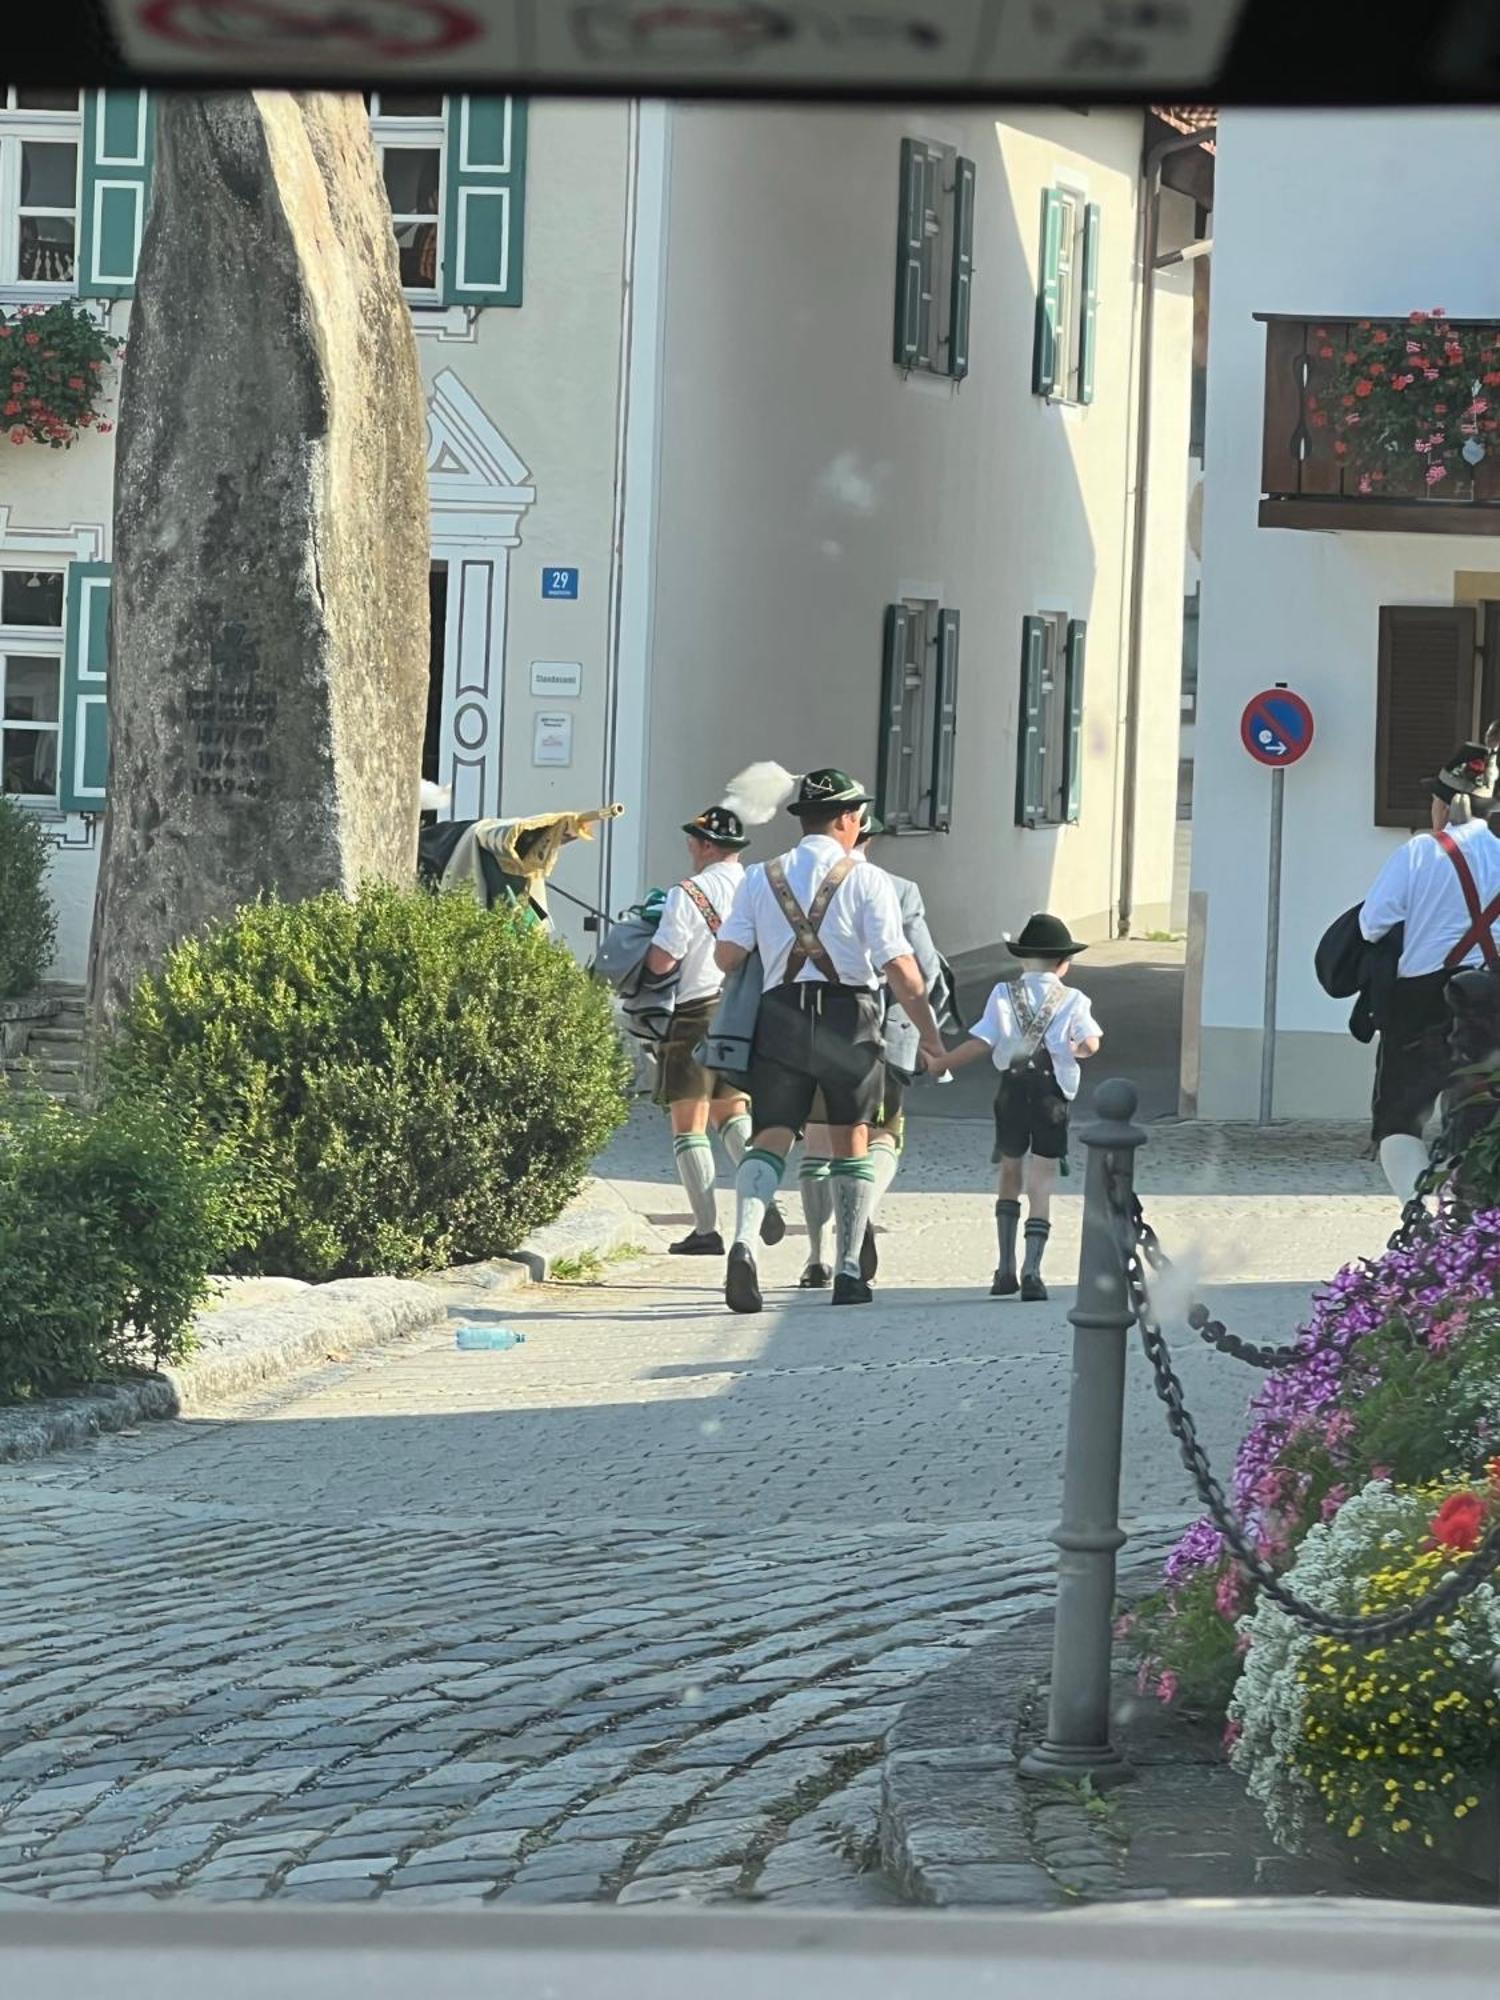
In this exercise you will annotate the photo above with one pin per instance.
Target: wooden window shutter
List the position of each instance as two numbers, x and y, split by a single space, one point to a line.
961 295
1088 328
484 223
1031 744
1424 702
116 187
890 785
83 753
911 255
945 731
1073 757
1044 351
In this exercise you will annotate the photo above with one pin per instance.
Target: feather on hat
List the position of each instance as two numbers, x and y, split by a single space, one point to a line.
759 792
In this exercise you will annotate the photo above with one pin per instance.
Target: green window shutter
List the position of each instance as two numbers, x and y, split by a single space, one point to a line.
911 254
889 785
83 754
1088 329
1044 350
1073 779
945 734
117 139
962 293
484 222
1031 744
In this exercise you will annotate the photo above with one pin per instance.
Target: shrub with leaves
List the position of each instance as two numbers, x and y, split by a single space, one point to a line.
52 363
28 922
399 1082
110 1223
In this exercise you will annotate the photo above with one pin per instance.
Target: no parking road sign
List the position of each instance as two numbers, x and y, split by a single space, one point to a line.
1277 727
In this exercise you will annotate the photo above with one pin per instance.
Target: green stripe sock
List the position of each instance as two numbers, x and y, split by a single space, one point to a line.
852 1183
694 1158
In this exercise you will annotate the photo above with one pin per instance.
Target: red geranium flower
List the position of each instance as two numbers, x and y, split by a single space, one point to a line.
1459 1522
1377 368
1320 420
1440 409
1341 450
1325 354
1363 388
1380 336
33 340
1350 357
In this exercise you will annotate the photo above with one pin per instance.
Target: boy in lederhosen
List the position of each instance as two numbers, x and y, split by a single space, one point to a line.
1036 1030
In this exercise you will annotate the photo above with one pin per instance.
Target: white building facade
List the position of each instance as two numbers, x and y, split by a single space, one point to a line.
1372 591
806 434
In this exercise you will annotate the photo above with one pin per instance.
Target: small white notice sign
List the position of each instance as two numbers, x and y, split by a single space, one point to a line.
552 740
557 680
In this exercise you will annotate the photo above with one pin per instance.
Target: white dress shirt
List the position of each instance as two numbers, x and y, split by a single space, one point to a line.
1073 1022
683 933
861 931
1419 887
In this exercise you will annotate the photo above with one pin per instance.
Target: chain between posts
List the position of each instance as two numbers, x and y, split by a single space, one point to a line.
1140 1251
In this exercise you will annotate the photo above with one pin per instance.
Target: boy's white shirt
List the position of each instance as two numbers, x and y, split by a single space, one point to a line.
1072 1023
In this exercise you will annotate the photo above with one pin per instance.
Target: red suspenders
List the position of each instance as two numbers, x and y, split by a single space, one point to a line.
1482 921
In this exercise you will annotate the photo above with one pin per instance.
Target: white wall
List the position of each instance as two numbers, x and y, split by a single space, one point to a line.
805 484
1337 215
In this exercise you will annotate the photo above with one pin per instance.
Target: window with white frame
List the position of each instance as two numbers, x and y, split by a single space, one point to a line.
1067 307
31 665
41 139
410 133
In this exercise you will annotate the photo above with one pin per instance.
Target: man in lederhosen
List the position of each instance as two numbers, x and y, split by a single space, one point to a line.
1444 887
828 931
693 1097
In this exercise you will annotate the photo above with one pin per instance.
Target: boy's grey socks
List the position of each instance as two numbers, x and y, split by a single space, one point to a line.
1007 1227
1036 1247
694 1159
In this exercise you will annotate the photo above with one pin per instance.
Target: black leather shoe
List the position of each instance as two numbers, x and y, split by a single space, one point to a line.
869 1256
702 1243
772 1225
849 1291
1033 1291
1005 1286
741 1284
816 1278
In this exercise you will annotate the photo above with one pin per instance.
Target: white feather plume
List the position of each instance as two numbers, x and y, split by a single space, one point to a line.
759 792
435 797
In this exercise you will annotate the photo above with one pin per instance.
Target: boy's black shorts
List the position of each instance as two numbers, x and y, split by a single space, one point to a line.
1031 1115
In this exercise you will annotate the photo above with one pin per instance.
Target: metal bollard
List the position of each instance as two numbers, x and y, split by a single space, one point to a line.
1077 1743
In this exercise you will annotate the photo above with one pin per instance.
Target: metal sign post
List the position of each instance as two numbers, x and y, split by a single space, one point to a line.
1277 729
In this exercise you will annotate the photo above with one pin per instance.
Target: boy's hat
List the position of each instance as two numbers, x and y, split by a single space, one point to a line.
870 827
1045 937
1469 773
719 825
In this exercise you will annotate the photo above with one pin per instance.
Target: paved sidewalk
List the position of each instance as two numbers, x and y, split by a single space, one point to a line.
624 1613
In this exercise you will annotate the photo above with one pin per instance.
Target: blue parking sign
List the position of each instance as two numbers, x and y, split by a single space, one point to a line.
559 583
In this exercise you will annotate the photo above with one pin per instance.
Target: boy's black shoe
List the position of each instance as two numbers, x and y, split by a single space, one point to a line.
701 1243
1033 1291
1006 1284
869 1256
772 1225
741 1283
816 1278
849 1291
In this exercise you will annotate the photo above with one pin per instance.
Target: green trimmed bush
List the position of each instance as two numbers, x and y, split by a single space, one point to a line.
109 1226
397 1082
28 922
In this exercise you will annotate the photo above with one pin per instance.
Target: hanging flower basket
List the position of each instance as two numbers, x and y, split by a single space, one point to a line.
1413 405
52 363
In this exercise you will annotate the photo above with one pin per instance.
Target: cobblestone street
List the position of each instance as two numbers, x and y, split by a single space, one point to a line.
622 1613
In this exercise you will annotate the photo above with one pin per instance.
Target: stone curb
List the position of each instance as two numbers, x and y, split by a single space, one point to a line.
297 1326
598 1222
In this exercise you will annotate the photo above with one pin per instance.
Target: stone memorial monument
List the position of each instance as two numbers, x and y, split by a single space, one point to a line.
268 638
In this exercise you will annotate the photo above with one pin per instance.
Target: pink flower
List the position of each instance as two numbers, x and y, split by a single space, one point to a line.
1227 1595
1435 473
1233 1731
1166 1688
1333 1500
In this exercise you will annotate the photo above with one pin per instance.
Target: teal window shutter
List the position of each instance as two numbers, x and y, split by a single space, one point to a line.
117 141
911 255
890 786
1044 349
484 222
945 733
83 759
962 292
1031 805
1088 328
1073 762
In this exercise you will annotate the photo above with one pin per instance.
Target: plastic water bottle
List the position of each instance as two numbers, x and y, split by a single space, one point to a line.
492 1339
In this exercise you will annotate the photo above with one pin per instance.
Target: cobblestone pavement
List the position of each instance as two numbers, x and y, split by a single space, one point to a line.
625 1612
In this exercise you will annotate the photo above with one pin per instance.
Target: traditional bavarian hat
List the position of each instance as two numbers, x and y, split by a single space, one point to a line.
828 791
719 826
1045 937
1469 773
869 828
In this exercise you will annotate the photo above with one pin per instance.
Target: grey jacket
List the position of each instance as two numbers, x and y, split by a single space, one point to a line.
901 1039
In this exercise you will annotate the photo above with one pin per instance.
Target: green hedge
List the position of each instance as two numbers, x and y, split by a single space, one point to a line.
109 1226
28 922
399 1082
